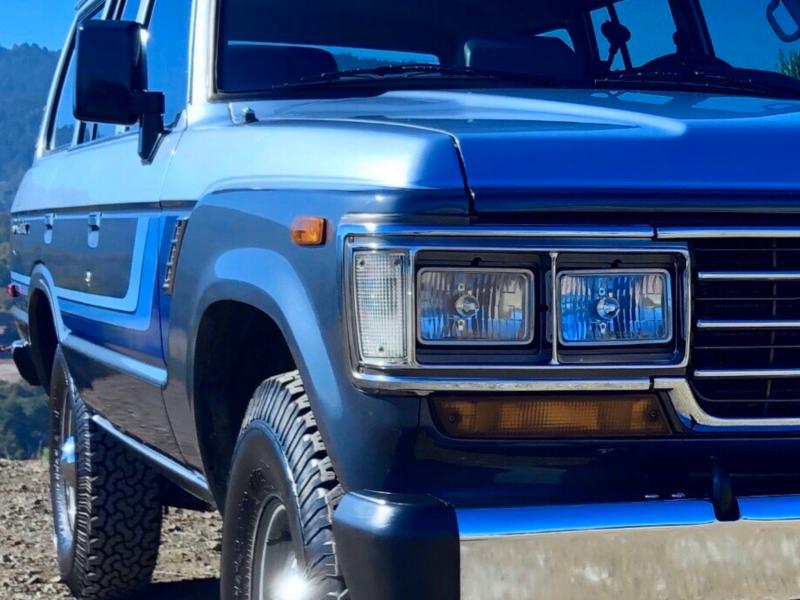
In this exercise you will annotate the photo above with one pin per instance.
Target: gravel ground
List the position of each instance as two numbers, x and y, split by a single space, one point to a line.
187 566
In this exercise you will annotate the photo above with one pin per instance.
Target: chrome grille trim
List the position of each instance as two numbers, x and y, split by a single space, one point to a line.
749 276
746 373
694 418
695 233
746 356
769 324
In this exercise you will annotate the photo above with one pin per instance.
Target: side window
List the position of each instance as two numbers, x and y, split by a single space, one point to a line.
63 124
168 53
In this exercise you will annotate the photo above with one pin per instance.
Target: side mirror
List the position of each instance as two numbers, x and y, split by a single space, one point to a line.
111 81
793 9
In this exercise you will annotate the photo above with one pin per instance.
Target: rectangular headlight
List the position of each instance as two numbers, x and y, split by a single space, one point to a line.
615 307
380 295
475 306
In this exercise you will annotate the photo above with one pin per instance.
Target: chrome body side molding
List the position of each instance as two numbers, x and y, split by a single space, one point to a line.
631 551
191 480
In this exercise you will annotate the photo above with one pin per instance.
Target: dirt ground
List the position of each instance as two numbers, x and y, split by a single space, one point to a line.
187 566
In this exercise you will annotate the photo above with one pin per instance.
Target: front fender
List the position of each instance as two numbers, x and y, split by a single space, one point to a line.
237 247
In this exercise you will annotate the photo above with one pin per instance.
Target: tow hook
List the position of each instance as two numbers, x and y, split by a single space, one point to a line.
726 506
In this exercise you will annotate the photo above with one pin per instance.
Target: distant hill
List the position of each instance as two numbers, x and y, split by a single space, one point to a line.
25 73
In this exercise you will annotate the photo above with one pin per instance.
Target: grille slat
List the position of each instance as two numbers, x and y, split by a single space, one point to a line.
769 324
748 276
746 346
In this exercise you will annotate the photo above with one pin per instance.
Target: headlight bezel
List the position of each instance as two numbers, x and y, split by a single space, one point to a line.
544 356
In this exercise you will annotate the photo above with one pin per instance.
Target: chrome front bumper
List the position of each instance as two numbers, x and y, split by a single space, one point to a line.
670 550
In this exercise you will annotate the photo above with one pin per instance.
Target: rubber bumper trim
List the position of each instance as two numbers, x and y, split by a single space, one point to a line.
393 546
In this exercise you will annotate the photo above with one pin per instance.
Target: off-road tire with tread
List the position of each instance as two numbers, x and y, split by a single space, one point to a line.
114 548
280 454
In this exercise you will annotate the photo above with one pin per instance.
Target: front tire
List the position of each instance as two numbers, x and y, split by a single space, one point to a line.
106 502
277 533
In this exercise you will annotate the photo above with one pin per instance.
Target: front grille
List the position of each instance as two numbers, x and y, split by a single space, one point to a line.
746 341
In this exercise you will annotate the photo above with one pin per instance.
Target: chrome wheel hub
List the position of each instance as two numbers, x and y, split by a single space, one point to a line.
276 572
67 462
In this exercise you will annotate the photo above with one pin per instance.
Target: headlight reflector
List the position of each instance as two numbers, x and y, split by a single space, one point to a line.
475 306
615 307
380 293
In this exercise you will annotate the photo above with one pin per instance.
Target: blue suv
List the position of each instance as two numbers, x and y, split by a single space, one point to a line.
431 299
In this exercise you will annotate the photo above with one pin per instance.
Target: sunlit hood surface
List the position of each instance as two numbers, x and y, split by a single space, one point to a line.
598 140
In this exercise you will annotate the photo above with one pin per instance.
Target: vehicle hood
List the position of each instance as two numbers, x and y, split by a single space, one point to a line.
598 140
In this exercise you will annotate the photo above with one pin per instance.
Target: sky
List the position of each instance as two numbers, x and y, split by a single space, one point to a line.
44 22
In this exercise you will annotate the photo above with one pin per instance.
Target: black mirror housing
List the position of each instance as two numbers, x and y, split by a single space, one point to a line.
111 72
111 81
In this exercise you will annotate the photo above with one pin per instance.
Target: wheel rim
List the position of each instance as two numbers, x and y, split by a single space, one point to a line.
276 572
66 460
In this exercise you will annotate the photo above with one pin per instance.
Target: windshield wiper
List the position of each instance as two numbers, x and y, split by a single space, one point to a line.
414 71
733 81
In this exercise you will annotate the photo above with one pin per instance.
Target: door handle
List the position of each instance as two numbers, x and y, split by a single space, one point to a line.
49 223
93 234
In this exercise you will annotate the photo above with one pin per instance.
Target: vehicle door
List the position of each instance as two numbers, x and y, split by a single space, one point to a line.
105 237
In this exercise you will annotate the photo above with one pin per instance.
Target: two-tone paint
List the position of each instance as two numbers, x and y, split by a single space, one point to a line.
92 228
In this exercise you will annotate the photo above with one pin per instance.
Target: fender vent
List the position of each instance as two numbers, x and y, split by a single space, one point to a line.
174 253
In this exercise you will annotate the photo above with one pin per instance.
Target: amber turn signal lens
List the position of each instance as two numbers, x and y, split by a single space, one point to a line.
551 417
308 231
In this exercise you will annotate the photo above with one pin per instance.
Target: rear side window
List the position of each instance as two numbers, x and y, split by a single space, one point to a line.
168 28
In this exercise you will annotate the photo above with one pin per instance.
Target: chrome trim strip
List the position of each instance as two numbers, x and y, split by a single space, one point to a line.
555 308
428 385
749 276
687 233
746 373
693 417
487 523
193 481
117 361
706 324
373 228
631 551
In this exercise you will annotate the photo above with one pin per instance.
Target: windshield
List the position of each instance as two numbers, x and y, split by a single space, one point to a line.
307 46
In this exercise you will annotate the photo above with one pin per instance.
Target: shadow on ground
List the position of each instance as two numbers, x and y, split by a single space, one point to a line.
198 589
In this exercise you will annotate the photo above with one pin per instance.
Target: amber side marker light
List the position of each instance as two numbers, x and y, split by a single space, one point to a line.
551 417
308 231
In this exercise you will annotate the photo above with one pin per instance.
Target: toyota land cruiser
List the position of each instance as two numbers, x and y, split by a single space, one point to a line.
431 299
